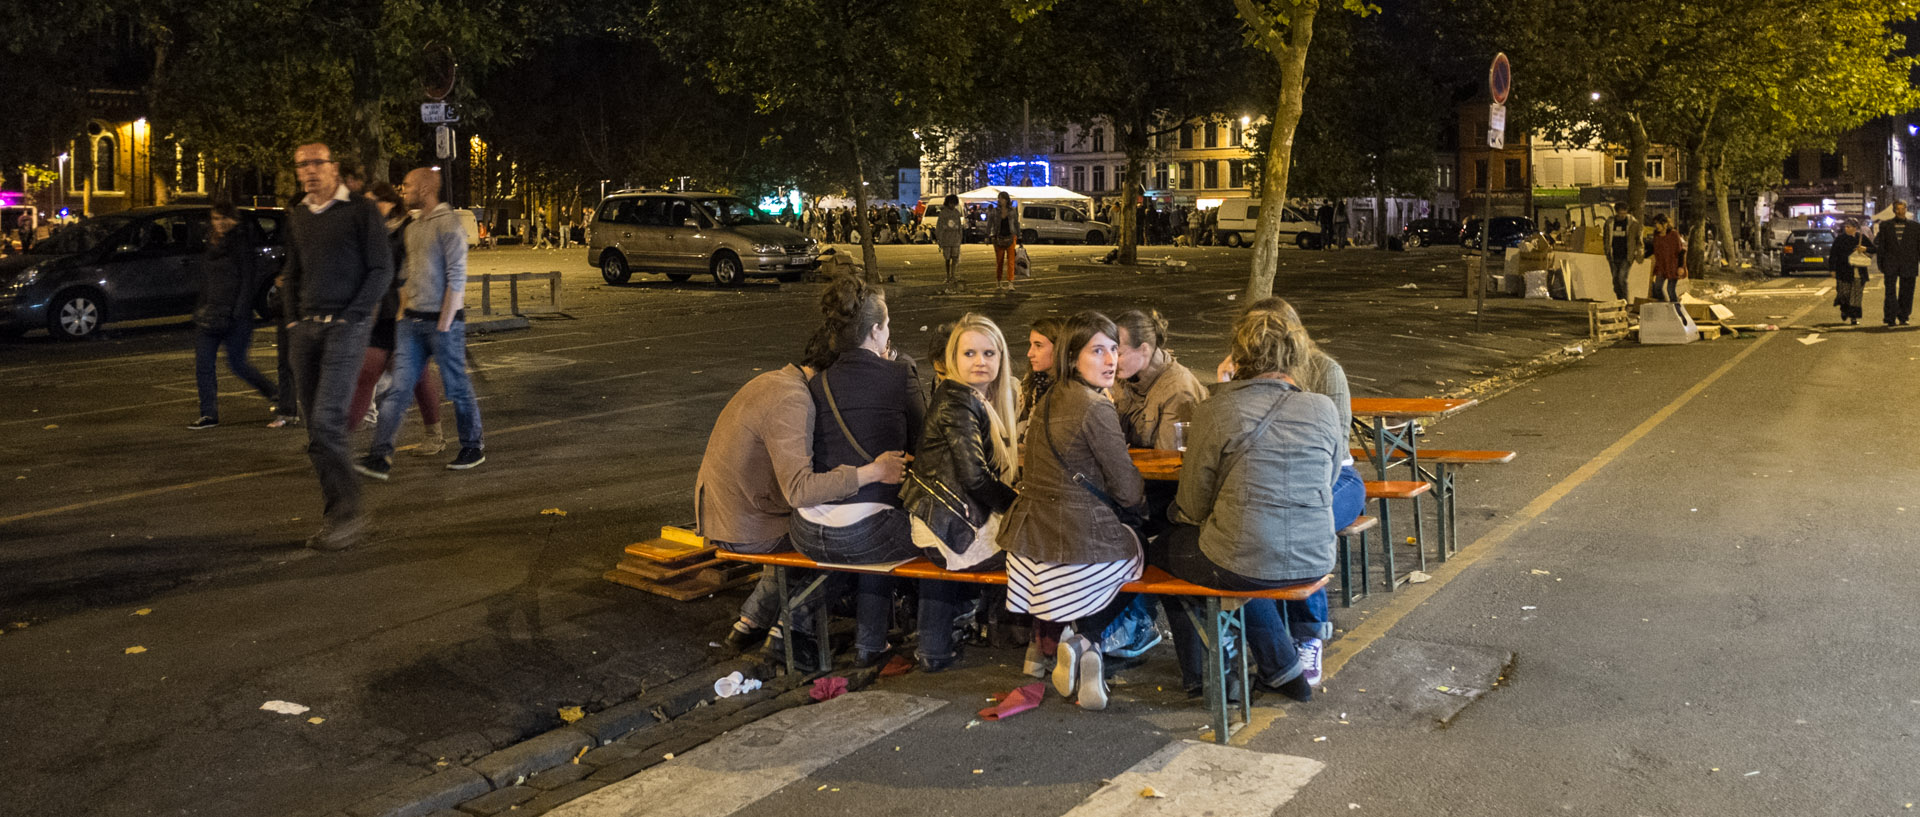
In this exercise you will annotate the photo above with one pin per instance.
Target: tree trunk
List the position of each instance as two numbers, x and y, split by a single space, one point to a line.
1729 248
1637 146
1136 146
1696 219
867 255
1292 60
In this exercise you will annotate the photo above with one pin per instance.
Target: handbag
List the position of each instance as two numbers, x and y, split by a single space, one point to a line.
1859 258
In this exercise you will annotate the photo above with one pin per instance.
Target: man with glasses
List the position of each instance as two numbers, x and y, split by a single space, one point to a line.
338 267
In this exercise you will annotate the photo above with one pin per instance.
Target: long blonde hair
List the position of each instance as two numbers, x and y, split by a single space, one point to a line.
1000 396
1273 332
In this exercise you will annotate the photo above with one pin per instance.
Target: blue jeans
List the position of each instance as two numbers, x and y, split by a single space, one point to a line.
206 349
1269 640
940 605
1309 618
414 342
1670 287
882 537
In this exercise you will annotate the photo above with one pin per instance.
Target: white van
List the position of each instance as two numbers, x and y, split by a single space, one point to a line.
1060 223
1240 218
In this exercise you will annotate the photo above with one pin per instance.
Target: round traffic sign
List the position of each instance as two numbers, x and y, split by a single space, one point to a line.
1500 78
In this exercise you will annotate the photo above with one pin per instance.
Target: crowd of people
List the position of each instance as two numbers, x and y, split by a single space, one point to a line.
845 457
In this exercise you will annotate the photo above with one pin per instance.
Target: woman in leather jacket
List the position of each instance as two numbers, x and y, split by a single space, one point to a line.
961 482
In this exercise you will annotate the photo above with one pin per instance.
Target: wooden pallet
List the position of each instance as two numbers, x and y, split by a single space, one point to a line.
1607 320
679 565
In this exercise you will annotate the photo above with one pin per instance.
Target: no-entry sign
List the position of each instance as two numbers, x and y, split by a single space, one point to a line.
1500 78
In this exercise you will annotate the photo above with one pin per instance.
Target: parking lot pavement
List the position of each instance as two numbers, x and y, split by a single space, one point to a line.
479 611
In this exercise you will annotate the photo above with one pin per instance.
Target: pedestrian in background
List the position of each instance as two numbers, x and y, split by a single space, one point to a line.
380 344
1669 260
432 326
1849 279
229 277
1896 243
1003 229
1620 231
338 266
949 232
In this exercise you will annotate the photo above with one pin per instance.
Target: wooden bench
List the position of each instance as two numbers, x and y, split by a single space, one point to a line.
1442 476
1411 489
1224 614
1359 528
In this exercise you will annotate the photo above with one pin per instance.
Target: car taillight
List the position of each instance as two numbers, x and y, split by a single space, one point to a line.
1787 248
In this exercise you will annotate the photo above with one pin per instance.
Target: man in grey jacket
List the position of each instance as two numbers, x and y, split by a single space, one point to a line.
1897 240
338 266
432 325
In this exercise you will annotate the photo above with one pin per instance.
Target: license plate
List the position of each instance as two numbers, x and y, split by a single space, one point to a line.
1813 259
799 259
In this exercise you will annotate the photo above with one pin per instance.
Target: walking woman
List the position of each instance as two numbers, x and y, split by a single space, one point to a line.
949 231
865 403
1849 280
1070 536
1255 504
1003 229
426 392
1316 371
1669 260
962 477
1153 391
224 315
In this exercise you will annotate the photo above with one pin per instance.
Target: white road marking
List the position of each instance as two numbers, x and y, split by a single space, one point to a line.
1203 778
754 761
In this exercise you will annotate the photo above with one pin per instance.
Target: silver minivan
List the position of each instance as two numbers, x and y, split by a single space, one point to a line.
681 234
1238 219
1060 222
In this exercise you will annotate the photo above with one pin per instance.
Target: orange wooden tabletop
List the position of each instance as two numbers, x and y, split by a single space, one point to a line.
1408 408
1156 463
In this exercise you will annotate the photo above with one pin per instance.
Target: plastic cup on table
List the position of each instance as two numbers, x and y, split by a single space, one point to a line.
1180 435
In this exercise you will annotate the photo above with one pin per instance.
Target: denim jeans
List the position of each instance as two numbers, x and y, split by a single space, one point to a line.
1309 618
289 403
414 342
1666 289
1270 643
206 350
882 537
762 606
326 360
940 604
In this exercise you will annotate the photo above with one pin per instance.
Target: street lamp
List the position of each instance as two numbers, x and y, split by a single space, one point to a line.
1596 96
139 125
61 199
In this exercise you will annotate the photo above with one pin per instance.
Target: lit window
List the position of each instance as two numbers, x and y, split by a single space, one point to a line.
105 154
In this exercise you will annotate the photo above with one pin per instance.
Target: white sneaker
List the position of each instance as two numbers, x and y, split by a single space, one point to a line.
1093 677
1066 666
1310 650
1035 664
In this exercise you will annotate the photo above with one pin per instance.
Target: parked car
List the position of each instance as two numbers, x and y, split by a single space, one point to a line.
1422 232
972 228
1238 219
1060 222
680 234
1805 250
1508 231
141 263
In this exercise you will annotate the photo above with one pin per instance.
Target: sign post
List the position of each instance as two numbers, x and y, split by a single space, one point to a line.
1499 84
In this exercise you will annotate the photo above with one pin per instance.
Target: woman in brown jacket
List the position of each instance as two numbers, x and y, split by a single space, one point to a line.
1068 552
1152 390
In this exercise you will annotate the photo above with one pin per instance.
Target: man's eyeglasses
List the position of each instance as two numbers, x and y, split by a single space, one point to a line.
312 163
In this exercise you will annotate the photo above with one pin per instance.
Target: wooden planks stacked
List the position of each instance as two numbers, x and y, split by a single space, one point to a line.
1607 320
679 565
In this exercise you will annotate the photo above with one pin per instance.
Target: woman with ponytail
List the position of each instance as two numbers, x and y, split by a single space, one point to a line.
962 478
1153 390
866 405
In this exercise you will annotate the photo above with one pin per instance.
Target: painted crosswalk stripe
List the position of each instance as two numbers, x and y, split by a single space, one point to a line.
754 761
1202 778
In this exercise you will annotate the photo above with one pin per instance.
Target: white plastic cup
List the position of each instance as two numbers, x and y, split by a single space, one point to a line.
1180 435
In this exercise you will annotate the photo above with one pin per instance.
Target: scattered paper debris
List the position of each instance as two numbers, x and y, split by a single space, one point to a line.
145 610
979 771
1812 339
826 689
1320 739
284 707
49 426
1418 577
1151 792
136 650
553 512
1528 607
1409 286
823 787
580 754
1539 572
316 721
571 713
667 756
736 684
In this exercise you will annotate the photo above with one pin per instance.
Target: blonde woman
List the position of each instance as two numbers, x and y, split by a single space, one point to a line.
962 478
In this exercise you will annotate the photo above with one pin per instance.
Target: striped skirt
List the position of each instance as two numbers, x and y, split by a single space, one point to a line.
1064 593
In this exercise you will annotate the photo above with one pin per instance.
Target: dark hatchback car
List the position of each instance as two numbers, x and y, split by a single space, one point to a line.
1805 250
141 263
1508 231
1422 232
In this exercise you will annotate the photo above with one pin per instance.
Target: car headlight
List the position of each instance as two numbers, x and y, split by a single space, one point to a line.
767 249
25 278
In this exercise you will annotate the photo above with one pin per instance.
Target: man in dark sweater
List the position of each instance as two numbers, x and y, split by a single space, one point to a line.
338 266
1897 240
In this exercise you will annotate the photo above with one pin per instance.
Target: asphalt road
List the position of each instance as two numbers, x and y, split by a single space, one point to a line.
476 615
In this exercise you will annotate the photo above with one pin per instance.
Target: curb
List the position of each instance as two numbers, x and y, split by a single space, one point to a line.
546 770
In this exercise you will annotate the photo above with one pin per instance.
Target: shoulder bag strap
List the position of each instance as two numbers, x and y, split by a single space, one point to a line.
827 386
1125 516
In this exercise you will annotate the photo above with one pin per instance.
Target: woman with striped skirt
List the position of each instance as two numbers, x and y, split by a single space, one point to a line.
1068 550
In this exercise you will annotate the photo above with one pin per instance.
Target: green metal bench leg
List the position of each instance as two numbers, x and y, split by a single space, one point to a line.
822 625
1419 533
1365 568
788 602
1217 630
1346 573
1386 546
786 615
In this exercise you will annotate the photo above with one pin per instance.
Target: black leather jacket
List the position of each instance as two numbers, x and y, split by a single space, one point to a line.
955 482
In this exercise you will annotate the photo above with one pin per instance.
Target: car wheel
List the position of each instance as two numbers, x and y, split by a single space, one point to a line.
613 268
268 304
1029 237
1416 240
727 271
75 315
1234 240
1095 238
679 277
1304 241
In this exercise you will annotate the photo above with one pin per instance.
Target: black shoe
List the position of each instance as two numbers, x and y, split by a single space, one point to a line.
203 423
1297 689
335 538
373 467
806 657
469 457
742 640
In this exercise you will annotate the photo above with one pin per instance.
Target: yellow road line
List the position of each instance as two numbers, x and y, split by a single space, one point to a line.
1413 595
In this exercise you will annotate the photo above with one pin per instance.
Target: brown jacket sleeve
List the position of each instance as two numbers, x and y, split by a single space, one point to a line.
1101 430
787 428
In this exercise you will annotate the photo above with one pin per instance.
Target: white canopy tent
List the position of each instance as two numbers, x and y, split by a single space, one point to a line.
1025 195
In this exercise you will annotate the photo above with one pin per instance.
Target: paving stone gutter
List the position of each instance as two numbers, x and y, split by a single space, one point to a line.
604 747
